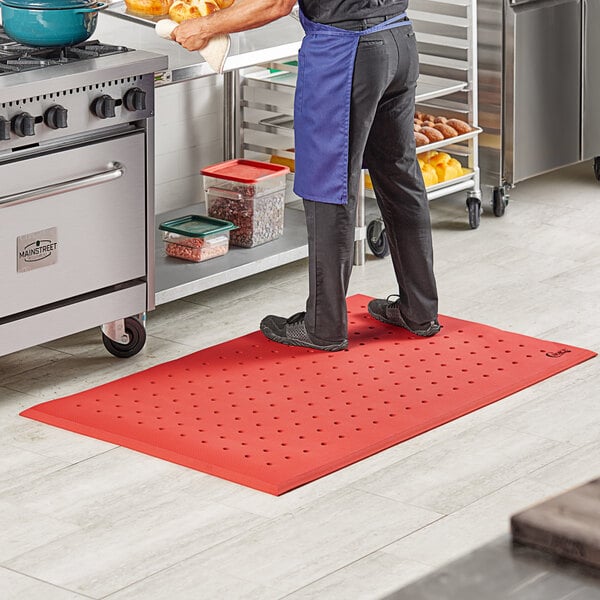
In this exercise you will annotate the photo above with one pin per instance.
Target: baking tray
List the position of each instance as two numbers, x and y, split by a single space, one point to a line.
449 141
438 186
119 9
279 122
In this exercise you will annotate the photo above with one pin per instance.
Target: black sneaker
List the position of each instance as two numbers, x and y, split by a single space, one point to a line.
292 332
388 311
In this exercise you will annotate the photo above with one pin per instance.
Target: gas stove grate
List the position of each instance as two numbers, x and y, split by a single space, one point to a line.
15 57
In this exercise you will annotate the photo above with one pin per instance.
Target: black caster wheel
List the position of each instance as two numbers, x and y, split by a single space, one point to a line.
597 167
377 239
499 201
137 339
474 208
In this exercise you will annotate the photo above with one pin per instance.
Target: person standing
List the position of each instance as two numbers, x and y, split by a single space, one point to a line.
354 107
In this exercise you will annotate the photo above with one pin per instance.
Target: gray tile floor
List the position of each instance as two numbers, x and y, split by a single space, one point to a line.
80 518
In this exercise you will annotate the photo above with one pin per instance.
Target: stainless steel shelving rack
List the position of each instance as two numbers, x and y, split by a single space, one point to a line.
447 41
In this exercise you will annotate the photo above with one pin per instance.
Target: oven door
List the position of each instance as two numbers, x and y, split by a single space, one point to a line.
72 222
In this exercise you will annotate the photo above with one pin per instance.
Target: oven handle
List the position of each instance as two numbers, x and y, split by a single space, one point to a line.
114 171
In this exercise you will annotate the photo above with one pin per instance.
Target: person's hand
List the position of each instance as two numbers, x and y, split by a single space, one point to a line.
191 34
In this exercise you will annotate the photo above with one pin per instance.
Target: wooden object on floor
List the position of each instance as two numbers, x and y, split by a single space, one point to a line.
567 525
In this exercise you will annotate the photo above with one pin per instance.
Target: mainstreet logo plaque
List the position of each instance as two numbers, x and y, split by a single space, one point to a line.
37 249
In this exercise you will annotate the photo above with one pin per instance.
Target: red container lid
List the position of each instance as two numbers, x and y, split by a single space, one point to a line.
245 171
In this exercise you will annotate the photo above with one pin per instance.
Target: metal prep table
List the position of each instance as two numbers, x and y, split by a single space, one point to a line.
273 42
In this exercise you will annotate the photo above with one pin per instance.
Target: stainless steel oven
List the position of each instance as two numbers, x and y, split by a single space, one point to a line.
76 200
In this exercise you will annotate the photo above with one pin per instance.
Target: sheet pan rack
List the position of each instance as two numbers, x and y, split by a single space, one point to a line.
446 32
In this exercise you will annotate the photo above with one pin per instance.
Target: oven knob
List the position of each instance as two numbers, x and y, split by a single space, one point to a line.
4 129
135 99
56 117
104 106
23 124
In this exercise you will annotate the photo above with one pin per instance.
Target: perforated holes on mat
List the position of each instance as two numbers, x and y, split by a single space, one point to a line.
274 417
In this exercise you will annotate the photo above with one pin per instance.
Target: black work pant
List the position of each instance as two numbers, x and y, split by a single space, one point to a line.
381 133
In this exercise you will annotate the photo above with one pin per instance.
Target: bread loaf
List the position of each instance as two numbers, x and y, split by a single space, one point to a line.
420 139
438 167
448 170
439 158
446 130
432 134
430 176
182 10
155 8
460 126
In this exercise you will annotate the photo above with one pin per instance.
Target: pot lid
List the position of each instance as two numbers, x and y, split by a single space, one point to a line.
48 4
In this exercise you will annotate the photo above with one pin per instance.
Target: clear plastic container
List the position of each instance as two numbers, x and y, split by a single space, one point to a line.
250 194
196 238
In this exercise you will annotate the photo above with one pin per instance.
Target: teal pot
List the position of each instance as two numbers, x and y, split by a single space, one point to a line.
65 25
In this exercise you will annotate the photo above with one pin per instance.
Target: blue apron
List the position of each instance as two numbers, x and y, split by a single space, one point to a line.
322 108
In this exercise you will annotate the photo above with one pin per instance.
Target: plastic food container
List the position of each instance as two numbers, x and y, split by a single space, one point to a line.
250 194
196 238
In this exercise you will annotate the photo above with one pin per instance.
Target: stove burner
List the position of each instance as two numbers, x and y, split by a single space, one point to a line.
15 57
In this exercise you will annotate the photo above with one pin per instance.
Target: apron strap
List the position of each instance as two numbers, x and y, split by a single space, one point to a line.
312 27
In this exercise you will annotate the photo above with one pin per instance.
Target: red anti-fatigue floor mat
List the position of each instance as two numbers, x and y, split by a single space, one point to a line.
274 417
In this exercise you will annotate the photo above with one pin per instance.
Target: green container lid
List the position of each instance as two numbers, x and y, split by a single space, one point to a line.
196 226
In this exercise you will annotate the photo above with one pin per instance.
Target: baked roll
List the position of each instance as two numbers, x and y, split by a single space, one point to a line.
432 134
439 158
430 176
155 8
460 126
182 10
420 139
446 130
450 169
